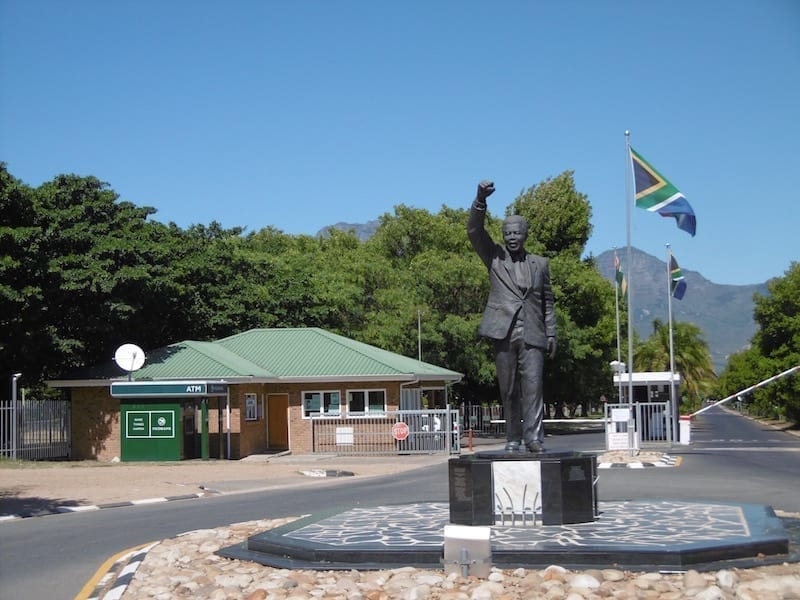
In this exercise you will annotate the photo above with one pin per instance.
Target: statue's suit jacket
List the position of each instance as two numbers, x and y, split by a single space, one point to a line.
505 297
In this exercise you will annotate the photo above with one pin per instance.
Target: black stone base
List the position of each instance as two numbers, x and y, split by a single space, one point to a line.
548 488
646 535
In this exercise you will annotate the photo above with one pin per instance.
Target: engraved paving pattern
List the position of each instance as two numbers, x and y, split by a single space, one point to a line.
655 524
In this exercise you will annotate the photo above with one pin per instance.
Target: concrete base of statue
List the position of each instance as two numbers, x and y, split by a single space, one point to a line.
523 489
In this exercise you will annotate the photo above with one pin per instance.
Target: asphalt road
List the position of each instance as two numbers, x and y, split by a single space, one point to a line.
730 459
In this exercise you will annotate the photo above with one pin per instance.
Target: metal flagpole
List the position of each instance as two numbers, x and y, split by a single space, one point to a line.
673 405
628 203
619 339
419 335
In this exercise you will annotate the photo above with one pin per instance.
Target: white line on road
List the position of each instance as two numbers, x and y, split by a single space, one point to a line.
748 448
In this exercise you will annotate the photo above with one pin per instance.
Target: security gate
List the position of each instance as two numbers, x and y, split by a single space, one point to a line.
652 425
426 431
35 429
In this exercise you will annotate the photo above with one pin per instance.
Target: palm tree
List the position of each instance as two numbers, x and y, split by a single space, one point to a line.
692 357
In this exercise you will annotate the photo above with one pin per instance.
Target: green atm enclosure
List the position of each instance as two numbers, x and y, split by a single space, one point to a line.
151 430
151 416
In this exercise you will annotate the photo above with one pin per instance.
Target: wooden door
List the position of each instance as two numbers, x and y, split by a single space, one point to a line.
278 421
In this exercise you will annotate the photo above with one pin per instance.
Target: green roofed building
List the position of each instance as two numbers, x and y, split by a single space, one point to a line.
249 393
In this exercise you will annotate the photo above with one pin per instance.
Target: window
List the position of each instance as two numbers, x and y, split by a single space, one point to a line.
321 403
366 402
250 407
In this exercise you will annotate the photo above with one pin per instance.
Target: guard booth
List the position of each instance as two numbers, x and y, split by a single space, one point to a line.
653 407
165 421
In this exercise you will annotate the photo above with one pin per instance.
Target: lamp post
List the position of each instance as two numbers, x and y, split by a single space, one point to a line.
14 379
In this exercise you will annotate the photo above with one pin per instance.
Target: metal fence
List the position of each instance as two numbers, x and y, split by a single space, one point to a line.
427 431
483 419
653 424
34 429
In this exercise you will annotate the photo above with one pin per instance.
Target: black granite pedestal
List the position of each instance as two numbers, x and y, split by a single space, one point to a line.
523 489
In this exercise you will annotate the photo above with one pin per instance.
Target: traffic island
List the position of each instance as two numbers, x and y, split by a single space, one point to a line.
640 535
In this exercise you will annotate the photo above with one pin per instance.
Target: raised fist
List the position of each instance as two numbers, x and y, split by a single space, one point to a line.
485 189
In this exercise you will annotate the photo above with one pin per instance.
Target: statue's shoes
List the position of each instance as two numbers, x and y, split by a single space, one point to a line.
513 446
535 447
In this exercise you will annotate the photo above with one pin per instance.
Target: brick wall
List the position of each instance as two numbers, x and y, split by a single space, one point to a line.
253 438
95 424
96 419
300 441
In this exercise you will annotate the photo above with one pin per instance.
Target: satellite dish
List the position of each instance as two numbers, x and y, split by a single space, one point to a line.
129 357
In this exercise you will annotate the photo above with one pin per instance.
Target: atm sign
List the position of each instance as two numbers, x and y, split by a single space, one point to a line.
139 389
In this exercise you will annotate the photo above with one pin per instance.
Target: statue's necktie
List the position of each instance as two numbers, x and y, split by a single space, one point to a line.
522 274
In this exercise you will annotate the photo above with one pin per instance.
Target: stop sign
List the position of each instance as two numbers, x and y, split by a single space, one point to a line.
399 431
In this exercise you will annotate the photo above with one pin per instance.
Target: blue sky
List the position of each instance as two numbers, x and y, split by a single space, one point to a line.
302 114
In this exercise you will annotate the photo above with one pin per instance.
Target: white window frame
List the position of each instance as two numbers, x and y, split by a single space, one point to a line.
251 407
367 412
323 394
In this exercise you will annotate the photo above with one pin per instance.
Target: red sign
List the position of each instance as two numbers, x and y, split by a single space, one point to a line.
399 431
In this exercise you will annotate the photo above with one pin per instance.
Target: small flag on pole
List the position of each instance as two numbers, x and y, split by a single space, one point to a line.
656 194
678 281
622 284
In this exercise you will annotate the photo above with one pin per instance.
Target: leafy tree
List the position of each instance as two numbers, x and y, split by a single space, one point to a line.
20 294
691 355
71 244
450 287
444 285
580 373
775 348
305 281
743 370
559 217
97 273
212 280
411 231
778 317
88 269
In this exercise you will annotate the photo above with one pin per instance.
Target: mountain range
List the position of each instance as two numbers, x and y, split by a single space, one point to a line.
724 313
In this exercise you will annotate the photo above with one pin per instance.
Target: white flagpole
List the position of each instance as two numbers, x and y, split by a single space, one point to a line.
673 404
628 203
619 337
419 335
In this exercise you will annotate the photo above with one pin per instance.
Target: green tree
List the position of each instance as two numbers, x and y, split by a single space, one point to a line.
88 269
447 284
775 348
580 373
440 285
83 272
91 273
691 355
20 294
305 281
559 217
743 370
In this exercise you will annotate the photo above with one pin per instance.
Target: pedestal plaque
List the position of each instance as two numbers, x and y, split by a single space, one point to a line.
522 489
471 492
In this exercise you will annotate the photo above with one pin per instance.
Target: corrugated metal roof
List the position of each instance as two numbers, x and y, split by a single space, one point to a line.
203 360
314 352
272 354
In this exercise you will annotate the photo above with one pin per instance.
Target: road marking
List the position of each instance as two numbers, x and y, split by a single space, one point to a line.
753 441
749 448
88 589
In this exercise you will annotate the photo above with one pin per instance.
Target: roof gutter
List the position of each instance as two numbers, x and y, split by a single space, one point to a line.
405 379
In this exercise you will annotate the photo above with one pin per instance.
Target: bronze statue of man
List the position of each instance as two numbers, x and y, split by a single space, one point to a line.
519 319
